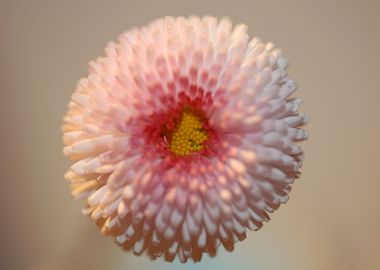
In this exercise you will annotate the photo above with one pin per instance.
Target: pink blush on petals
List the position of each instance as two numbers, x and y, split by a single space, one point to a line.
183 136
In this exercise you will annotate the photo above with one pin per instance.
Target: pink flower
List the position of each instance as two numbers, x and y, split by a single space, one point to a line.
183 136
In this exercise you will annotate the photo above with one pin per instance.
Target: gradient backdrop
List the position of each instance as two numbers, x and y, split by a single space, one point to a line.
332 220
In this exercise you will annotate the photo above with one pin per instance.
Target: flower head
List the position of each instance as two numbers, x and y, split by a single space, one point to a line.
183 136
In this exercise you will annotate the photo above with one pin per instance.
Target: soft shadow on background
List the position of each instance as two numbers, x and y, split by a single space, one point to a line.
332 220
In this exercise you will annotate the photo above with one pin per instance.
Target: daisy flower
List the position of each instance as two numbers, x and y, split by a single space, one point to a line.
183 136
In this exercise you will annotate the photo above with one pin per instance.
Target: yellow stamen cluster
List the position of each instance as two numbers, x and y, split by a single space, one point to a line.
188 135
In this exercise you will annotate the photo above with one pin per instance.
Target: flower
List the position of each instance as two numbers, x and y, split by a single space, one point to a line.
183 136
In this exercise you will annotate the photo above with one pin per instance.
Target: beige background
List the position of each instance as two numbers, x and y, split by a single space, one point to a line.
332 220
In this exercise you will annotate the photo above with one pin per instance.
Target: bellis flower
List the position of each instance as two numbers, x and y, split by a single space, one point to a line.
183 136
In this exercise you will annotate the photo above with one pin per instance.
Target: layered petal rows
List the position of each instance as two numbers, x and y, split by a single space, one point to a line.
183 136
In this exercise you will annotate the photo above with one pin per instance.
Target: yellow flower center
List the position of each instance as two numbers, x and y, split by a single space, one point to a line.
188 135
